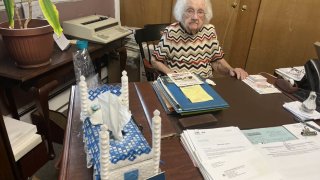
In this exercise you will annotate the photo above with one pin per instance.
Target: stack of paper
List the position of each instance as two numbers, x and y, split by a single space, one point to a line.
295 73
295 160
22 136
260 84
294 107
225 153
182 97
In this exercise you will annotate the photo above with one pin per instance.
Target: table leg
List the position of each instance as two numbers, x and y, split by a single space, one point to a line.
123 58
41 95
11 103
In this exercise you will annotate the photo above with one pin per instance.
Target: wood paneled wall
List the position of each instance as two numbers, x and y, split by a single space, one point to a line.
284 34
137 13
258 35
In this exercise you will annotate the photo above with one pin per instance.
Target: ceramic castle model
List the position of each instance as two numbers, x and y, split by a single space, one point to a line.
117 156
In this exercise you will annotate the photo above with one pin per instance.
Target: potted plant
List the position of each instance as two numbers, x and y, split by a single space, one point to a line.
30 43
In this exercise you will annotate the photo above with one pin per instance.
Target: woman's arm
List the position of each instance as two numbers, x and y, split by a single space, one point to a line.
160 66
223 67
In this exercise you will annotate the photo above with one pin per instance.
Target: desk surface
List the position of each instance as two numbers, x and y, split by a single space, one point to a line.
247 110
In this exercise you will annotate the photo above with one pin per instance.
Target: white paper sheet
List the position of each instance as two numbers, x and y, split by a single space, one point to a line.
296 160
244 165
206 144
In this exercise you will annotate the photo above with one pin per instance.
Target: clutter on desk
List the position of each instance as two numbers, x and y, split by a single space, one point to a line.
222 153
260 84
295 108
178 90
115 147
307 132
309 104
295 73
299 129
214 152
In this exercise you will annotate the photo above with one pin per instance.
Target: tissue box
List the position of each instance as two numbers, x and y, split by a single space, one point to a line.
129 158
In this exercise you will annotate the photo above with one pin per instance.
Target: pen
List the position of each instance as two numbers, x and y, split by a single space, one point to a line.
307 124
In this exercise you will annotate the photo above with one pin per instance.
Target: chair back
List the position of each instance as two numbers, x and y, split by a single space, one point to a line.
147 38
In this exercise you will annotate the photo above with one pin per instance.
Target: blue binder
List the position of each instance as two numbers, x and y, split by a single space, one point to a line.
183 105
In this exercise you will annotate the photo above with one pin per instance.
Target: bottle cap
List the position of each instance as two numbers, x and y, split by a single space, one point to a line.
82 44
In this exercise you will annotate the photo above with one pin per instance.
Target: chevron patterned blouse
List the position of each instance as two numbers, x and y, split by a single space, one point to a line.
182 51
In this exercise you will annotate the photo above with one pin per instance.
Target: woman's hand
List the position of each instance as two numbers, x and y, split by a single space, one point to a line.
239 73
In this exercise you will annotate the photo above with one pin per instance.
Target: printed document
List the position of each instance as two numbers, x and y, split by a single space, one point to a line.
206 144
296 159
245 165
268 135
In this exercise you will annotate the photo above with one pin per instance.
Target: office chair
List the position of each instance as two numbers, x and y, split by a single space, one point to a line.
147 39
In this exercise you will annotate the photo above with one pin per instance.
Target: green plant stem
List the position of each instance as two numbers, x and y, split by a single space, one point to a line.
18 16
30 14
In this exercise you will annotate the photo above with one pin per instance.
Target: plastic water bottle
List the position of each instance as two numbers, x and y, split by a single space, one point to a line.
83 65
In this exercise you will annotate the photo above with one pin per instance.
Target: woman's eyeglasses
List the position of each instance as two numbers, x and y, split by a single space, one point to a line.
191 12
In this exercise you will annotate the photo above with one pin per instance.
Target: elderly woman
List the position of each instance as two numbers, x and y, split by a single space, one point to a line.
191 43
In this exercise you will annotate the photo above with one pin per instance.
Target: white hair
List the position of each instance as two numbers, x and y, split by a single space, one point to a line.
180 8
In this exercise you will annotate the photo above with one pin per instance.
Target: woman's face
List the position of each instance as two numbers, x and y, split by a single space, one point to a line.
194 16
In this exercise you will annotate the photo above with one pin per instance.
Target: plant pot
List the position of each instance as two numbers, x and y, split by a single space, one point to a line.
31 47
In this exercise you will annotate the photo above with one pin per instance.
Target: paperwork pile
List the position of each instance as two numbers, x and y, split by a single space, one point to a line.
177 92
226 154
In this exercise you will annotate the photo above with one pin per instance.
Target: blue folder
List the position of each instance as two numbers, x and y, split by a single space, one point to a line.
183 105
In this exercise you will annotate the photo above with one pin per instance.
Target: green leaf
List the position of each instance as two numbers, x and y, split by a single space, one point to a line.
51 14
9 5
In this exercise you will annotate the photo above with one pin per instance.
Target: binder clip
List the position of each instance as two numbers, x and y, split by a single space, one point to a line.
307 132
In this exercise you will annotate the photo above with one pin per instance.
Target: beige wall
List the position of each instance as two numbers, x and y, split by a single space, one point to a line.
73 10
85 7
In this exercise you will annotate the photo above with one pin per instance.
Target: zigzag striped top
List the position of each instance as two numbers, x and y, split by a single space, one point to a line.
182 51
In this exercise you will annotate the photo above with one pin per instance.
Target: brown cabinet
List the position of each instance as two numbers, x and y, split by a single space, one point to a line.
258 35
284 34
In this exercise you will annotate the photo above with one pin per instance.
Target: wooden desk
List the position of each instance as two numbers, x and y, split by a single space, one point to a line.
257 111
44 79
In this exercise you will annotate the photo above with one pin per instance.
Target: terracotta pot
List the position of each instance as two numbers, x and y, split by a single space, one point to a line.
31 47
